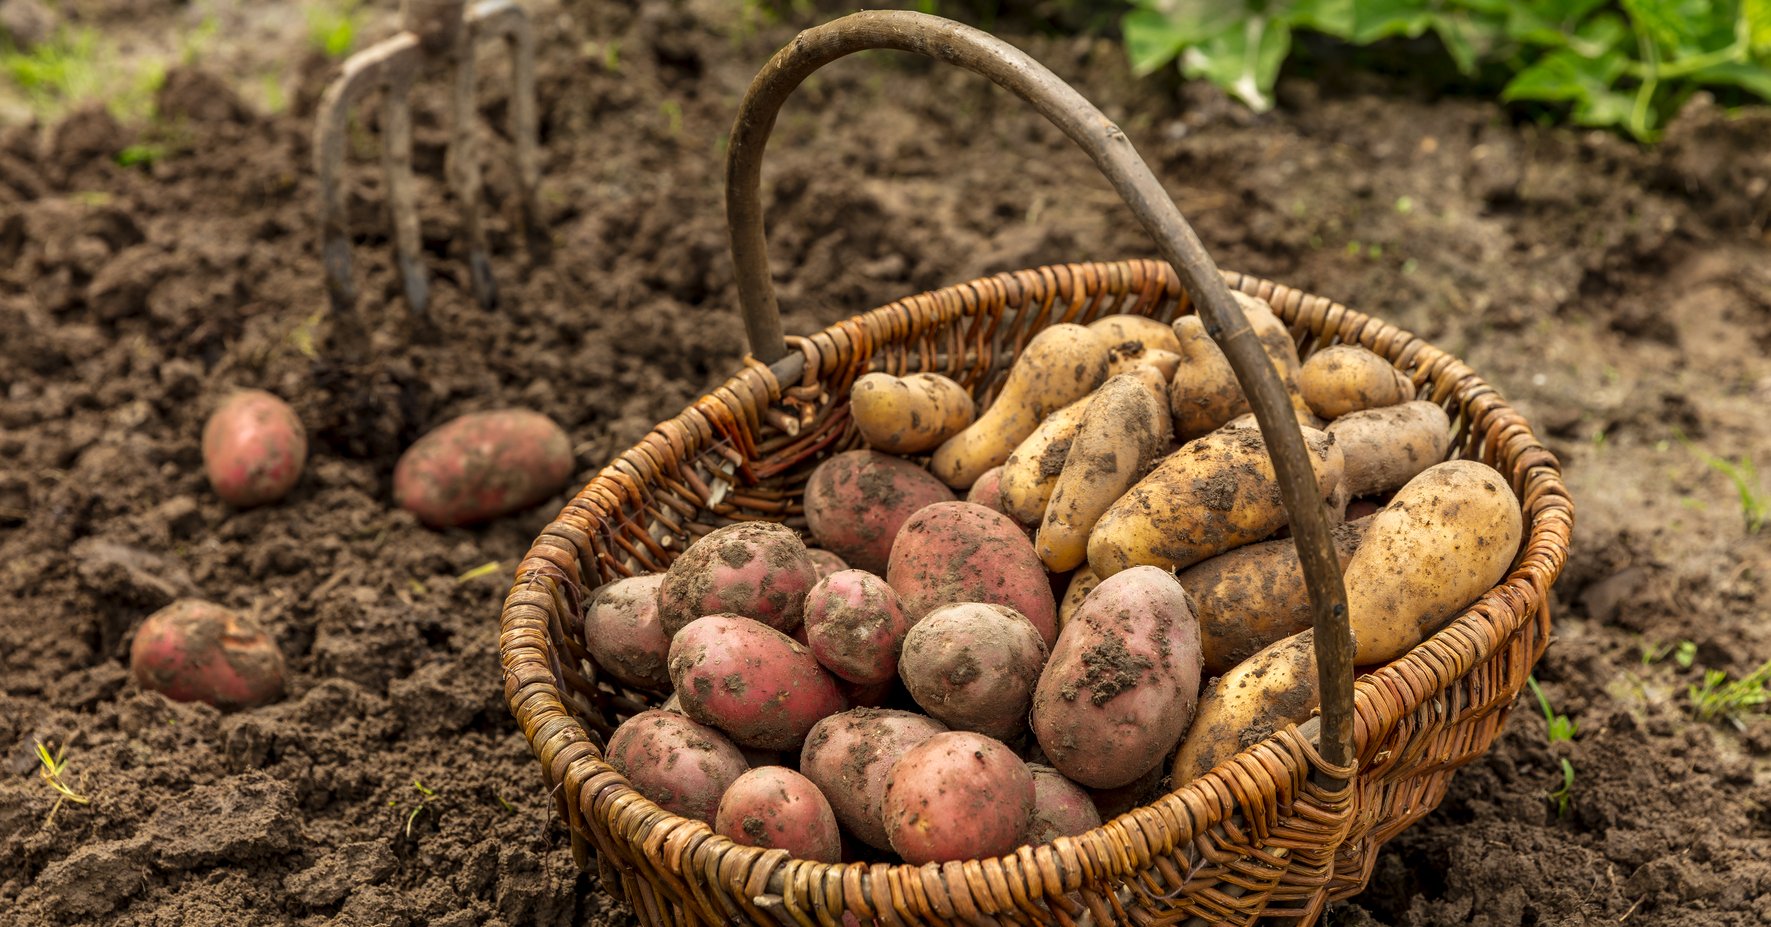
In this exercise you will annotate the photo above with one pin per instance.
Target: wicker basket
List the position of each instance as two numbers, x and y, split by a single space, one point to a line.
1275 833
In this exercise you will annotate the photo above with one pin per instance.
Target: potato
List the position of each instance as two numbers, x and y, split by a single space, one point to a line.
1062 364
1252 596
1120 686
1275 687
1446 538
683 766
848 755
197 651
778 809
1032 470
1345 378
1387 447
1125 433
957 795
253 449
958 552
1140 329
855 626
987 491
973 666
758 685
857 501
757 569
825 563
623 633
1082 582
1060 807
1214 494
1124 358
1204 392
909 415
482 466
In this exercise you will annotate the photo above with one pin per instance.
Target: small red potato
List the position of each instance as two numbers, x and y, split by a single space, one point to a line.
909 415
756 569
987 491
1061 808
778 809
623 633
856 627
974 666
957 795
1122 683
196 651
482 466
848 755
825 562
758 685
857 501
253 449
959 552
683 766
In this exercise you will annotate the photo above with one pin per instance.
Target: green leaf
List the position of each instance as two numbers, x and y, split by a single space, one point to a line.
1244 60
1564 75
1466 38
1757 14
1156 34
1671 24
1753 78
1600 34
1604 108
1382 19
1329 17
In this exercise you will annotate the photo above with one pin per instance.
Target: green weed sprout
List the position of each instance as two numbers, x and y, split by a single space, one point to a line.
1560 727
53 767
1717 699
1564 796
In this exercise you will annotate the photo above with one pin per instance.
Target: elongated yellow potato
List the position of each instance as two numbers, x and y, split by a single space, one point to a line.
1124 433
1260 695
1032 470
909 415
1387 447
1204 394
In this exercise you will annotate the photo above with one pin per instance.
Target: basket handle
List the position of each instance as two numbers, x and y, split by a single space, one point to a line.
1012 69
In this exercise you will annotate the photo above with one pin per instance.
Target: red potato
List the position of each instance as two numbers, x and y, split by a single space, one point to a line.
987 491
1061 808
857 501
623 633
778 809
848 755
957 795
758 685
482 466
955 552
974 666
683 766
254 449
196 651
855 626
825 563
760 570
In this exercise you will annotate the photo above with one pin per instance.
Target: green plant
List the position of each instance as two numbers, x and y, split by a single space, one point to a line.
55 72
425 794
1564 796
1746 481
1718 699
1559 727
1684 653
332 27
1628 64
54 766
141 154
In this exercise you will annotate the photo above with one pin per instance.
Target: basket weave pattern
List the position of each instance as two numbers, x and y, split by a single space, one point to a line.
1253 838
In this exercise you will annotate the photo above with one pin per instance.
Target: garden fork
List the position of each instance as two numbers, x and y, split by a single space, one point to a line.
442 32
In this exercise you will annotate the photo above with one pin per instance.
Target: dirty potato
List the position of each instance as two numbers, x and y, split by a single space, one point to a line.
911 414
1275 687
1345 378
1385 448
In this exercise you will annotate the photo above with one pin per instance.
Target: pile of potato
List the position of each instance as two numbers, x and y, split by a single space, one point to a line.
1113 607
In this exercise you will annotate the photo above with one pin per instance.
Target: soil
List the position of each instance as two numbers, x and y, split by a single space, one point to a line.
1619 295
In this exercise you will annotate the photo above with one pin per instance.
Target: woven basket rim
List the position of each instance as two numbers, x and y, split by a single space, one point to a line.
1214 798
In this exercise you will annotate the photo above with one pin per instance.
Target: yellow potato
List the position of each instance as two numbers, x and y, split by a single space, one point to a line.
1445 539
1032 470
909 415
1387 447
1204 393
1346 378
1214 494
1119 329
1121 438
1124 358
1082 582
1060 365
1261 695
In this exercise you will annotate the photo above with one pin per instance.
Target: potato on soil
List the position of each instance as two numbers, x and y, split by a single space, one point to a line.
1120 687
955 552
973 666
958 795
1215 494
683 766
1204 392
909 415
1252 596
857 501
1060 365
825 563
1275 687
197 651
1061 808
1141 329
758 685
623 633
1445 539
1345 378
855 626
778 809
253 449
1125 433
848 755
760 570
481 466
1387 447
1033 467
1082 582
